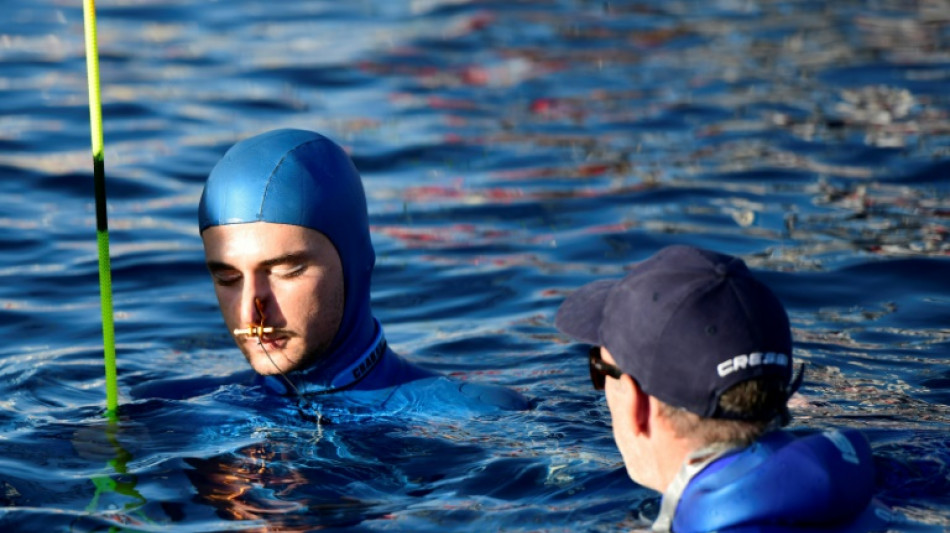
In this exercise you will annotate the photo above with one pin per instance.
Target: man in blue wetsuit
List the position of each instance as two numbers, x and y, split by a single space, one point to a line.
699 359
284 224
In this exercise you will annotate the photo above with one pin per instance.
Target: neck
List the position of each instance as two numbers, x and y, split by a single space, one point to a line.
356 353
671 453
347 368
658 452
358 334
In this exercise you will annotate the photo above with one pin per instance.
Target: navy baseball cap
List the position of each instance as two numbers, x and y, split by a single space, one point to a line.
687 324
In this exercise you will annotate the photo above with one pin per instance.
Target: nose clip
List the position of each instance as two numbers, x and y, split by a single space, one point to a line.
256 330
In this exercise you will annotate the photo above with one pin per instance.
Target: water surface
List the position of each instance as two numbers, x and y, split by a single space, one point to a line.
511 151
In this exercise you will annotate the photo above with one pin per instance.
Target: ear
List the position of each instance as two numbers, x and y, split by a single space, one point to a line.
640 404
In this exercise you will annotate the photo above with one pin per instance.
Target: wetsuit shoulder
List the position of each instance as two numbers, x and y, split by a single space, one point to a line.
782 483
428 388
493 396
392 370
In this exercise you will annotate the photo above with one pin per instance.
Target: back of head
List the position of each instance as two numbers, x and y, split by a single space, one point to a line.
300 178
749 408
691 326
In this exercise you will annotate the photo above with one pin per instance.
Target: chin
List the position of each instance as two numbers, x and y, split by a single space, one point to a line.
263 366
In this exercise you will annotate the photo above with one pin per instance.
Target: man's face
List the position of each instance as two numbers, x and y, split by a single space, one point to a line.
629 439
294 273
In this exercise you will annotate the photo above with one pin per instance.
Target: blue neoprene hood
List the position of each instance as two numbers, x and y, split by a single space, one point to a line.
302 178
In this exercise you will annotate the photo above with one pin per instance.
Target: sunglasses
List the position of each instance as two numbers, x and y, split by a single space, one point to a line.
599 370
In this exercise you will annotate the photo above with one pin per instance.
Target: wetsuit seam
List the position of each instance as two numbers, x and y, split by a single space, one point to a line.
273 173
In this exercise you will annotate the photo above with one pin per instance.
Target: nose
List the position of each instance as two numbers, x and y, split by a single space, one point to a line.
255 300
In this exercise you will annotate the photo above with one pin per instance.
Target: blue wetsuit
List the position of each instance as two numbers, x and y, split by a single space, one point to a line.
302 178
382 381
779 484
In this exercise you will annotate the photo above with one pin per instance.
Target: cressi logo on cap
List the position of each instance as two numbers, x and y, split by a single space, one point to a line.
741 362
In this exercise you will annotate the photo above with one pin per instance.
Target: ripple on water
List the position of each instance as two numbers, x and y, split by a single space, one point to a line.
511 152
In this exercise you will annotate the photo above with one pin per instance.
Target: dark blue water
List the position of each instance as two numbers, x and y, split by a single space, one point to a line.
511 152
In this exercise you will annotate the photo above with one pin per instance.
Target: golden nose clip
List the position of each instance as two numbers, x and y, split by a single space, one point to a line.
256 330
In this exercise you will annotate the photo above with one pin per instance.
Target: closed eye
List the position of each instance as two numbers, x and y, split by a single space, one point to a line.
288 265
290 271
226 277
223 274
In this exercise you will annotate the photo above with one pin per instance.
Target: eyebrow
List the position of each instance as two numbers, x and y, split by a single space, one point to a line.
292 257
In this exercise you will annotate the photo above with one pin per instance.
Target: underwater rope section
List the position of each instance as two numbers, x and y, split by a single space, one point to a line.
102 225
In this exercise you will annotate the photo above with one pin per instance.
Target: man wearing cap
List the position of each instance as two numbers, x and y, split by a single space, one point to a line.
695 357
286 237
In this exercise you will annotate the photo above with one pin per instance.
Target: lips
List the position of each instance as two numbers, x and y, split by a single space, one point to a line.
270 342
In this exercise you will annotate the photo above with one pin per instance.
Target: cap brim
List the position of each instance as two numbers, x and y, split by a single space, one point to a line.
582 312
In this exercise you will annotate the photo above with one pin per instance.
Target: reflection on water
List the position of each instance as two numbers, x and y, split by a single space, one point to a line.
512 151
254 483
115 489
